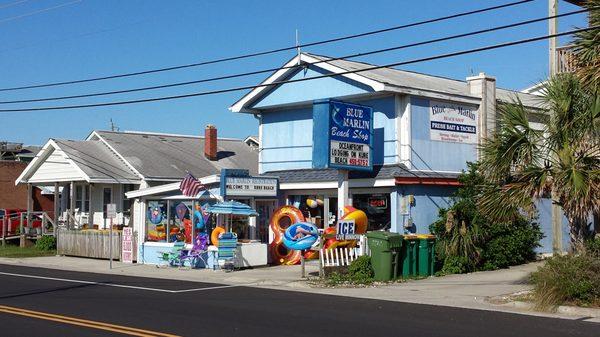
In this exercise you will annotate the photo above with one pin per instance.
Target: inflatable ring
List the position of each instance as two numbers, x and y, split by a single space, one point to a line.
303 242
214 235
282 255
285 214
359 217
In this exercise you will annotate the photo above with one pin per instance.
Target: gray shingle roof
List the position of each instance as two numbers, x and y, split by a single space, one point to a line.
379 172
97 160
408 79
161 156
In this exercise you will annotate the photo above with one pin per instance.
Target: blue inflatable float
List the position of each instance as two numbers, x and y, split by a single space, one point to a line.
300 236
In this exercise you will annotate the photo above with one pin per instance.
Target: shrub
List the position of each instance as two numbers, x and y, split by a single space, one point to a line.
572 279
46 243
468 241
510 244
361 270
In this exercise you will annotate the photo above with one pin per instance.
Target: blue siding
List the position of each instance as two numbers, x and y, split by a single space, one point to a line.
286 139
310 90
432 155
287 136
428 201
544 207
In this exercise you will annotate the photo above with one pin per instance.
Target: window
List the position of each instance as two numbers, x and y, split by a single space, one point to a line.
79 197
156 221
82 198
107 195
377 208
127 202
180 222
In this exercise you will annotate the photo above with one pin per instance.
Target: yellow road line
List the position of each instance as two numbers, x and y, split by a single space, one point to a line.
83 322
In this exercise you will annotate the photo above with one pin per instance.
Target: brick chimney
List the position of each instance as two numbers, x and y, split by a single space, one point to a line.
210 142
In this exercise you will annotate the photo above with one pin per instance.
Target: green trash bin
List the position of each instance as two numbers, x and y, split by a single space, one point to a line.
426 259
408 256
385 247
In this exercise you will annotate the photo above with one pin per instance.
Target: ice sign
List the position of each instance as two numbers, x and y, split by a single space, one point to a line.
345 230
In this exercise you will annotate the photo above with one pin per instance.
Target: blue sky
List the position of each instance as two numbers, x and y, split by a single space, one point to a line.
102 37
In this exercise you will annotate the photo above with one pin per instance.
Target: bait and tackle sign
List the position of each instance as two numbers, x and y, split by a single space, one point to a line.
452 123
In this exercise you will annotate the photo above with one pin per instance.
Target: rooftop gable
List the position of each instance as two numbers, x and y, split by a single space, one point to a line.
380 79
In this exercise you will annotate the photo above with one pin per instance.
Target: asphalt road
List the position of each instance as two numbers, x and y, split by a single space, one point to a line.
62 303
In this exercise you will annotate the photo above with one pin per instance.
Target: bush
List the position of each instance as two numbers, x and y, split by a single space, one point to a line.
571 279
468 241
360 272
361 269
510 244
46 243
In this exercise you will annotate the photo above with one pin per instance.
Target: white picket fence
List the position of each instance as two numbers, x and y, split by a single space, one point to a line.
340 257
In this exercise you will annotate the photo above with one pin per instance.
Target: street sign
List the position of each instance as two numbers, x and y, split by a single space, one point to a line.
127 245
111 211
346 230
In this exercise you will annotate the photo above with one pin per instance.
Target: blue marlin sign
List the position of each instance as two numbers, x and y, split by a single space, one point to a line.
342 135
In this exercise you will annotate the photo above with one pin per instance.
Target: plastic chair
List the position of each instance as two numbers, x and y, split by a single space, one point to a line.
227 249
173 257
197 252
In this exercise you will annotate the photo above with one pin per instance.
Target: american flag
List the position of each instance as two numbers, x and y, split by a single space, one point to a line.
190 186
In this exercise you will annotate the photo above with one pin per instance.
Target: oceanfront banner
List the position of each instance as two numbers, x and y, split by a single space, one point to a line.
453 123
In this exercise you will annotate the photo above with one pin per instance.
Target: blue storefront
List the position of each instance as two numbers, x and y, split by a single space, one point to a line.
424 131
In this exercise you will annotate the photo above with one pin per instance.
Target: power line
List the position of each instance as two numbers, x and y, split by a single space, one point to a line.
38 11
211 79
13 4
272 51
220 91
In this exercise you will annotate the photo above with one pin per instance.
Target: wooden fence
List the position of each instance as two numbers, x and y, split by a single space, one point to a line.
91 243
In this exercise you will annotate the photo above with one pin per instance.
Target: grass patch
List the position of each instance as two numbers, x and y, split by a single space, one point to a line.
12 251
570 279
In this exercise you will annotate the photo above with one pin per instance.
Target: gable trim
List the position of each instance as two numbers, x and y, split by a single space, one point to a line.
240 105
41 157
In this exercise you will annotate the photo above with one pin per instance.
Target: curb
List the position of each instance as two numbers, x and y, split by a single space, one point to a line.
561 309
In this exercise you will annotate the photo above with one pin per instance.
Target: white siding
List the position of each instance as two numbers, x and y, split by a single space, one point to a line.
56 168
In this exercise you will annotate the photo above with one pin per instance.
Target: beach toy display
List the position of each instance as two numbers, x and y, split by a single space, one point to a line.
300 236
314 202
361 223
282 219
214 235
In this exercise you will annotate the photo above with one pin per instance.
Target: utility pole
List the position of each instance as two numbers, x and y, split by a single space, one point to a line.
552 29
553 70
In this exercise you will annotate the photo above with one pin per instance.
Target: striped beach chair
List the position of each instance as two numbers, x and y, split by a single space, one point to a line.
227 247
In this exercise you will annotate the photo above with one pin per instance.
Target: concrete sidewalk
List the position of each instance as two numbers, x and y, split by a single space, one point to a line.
465 290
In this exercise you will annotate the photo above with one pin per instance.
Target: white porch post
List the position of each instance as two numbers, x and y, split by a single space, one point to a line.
252 221
56 210
343 198
90 209
71 201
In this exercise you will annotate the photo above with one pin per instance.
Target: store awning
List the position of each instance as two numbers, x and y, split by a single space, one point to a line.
233 208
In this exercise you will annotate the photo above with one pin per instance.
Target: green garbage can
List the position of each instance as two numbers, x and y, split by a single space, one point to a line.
385 247
408 256
426 259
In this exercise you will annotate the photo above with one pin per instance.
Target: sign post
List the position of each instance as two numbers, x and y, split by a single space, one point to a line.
111 213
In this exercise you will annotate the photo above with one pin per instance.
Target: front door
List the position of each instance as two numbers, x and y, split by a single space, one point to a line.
265 209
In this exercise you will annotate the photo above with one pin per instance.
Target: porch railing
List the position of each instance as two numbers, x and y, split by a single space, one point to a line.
565 60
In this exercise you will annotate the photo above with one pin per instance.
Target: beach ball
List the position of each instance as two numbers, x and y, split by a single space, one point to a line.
312 203
360 218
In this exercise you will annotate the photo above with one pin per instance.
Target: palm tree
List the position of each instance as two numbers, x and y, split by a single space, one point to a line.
586 48
522 164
